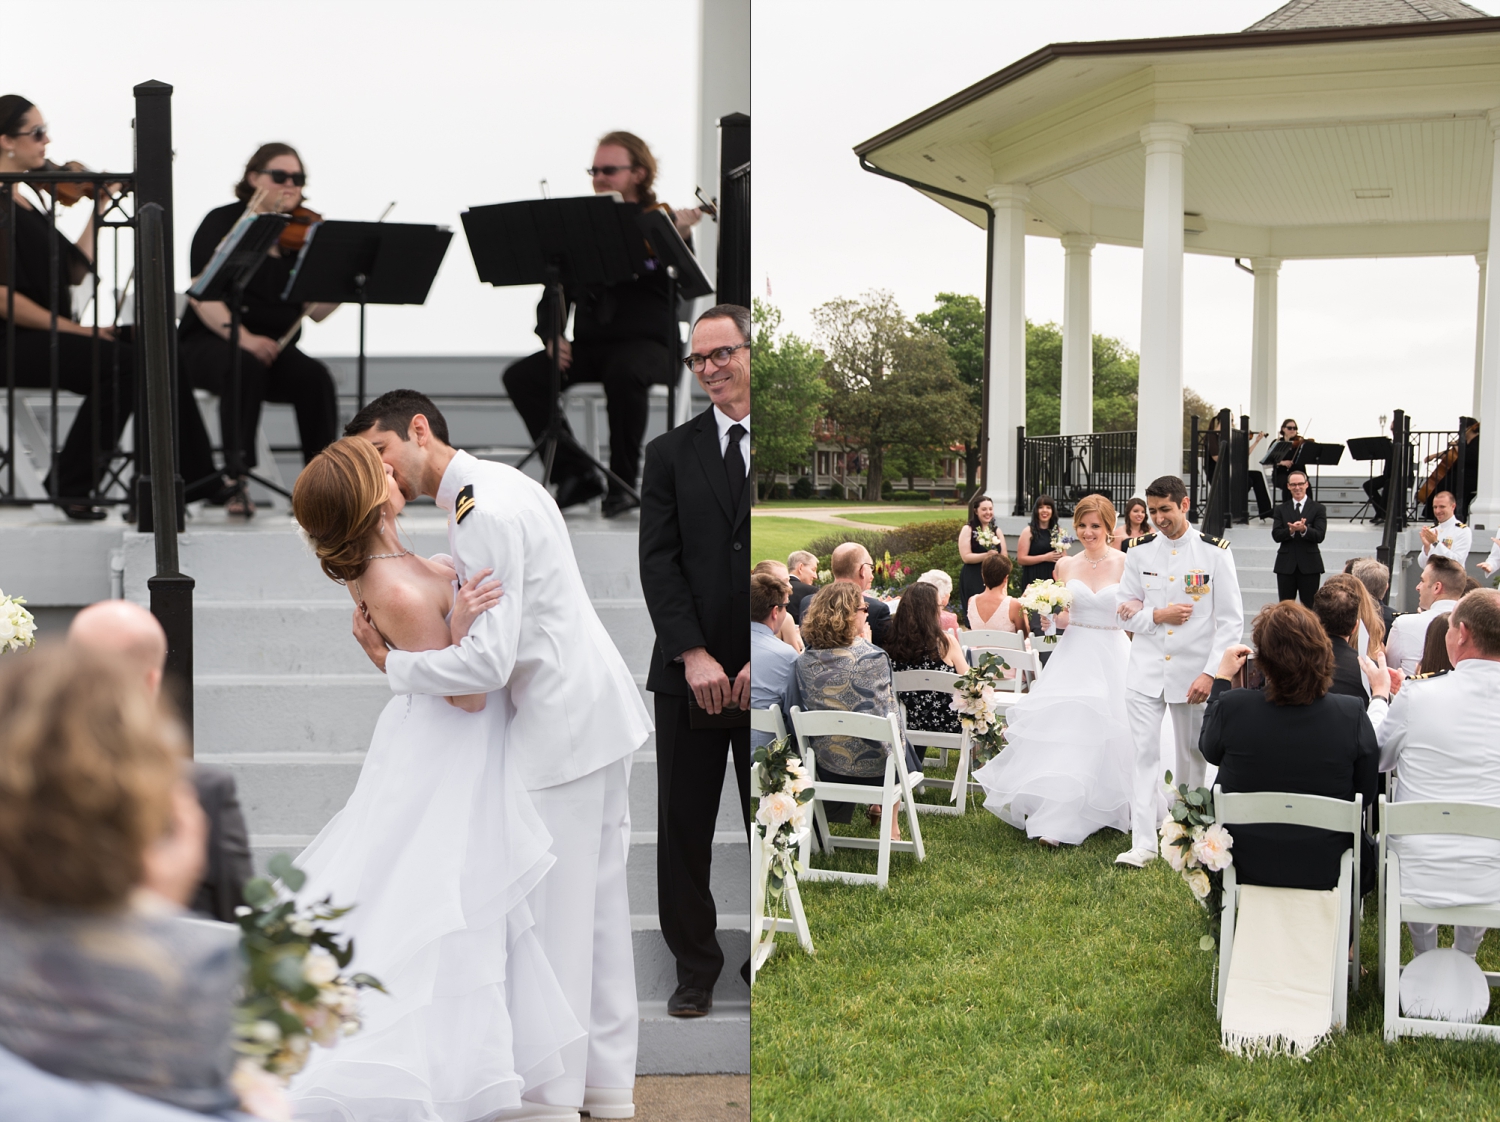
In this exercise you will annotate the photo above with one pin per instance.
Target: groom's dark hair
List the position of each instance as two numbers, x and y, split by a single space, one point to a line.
393 412
1167 487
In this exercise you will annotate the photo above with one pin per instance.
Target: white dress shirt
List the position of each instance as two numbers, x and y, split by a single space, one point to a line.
771 663
1403 646
724 422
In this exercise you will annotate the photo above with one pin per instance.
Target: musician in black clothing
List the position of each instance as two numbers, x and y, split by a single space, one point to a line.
81 463
625 336
270 369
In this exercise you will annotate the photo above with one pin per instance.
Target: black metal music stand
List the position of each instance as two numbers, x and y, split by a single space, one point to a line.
1371 449
1319 456
686 280
367 263
593 240
225 278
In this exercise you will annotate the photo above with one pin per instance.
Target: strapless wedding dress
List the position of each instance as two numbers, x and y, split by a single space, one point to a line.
1067 768
437 848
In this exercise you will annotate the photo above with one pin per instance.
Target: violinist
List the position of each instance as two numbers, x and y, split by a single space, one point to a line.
23 147
1292 459
272 367
624 336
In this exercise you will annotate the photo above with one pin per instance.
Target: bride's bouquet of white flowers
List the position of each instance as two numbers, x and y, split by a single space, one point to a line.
17 628
785 795
976 700
1198 848
1046 598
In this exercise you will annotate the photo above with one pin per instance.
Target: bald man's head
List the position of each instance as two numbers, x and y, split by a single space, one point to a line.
128 631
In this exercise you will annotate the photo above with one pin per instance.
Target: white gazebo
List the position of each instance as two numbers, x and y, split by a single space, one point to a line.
1331 128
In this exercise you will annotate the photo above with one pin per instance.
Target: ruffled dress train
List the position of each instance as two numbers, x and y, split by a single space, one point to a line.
437 848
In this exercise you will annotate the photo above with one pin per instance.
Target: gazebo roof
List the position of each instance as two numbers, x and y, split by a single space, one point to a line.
1350 138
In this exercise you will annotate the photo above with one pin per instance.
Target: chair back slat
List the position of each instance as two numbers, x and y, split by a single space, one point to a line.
1286 808
992 640
834 722
938 681
1473 820
768 720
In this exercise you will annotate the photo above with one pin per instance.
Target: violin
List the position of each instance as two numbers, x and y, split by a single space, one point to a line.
294 234
67 194
1445 464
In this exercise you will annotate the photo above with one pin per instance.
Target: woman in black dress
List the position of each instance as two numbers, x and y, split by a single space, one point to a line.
81 463
1034 551
270 369
916 641
1134 523
973 551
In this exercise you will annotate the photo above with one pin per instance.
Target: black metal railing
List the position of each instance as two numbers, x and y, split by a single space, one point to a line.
732 285
1070 467
1436 464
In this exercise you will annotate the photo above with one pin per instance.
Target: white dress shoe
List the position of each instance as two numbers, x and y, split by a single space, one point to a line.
1136 858
609 1102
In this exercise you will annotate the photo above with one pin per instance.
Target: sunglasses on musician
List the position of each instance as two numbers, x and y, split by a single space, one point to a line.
36 133
719 356
280 178
610 169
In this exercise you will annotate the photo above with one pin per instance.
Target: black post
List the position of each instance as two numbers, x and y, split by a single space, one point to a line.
1194 510
732 280
171 591
1460 507
1020 507
359 288
1222 475
1395 494
1239 474
153 184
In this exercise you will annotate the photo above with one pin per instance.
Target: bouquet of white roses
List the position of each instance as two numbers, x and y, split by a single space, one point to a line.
986 538
295 992
1062 541
785 792
1046 598
1198 848
17 628
976 700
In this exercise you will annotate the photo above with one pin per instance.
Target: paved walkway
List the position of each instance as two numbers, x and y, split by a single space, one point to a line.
692 1098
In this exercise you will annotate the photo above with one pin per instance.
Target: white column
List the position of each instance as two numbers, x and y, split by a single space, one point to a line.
1263 346
1486 508
1007 342
1159 413
1481 258
1078 335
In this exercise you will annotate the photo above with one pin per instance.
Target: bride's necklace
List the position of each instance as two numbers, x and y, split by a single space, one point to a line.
384 556
1094 561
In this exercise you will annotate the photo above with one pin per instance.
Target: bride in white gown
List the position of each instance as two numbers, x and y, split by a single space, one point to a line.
1066 768
437 848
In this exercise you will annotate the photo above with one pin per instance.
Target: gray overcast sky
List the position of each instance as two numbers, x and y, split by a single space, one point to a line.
1358 338
440 105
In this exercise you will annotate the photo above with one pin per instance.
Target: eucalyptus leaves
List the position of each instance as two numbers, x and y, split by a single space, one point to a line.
1198 848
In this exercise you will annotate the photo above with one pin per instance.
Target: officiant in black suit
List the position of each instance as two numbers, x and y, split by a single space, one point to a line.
695 572
1300 525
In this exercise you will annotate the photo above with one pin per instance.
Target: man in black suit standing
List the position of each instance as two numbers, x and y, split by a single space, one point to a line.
1300 525
695 572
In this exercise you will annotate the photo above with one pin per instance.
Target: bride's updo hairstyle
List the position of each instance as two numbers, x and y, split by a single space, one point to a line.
337 501
1095 504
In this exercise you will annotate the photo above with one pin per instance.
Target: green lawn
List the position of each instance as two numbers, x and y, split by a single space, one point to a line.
773 537
907 517
1003 980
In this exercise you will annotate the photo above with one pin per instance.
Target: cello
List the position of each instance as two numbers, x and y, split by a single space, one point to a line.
1445 461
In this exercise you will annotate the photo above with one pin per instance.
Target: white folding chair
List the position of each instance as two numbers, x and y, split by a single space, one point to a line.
770 721
763 932
897 785
993 640
1405 819
938 681
1286 808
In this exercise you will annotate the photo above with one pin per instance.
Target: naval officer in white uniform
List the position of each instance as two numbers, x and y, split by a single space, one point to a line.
1180 597
578 719
1450 537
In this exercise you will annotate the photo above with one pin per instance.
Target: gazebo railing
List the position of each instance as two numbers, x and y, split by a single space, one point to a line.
1427 455
1069 467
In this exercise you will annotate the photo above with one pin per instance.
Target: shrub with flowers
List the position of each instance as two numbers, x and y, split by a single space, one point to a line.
977 703
785 795
890 573
17 627
295 992
1198 848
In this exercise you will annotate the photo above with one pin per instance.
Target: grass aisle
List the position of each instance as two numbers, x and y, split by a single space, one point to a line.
1002 980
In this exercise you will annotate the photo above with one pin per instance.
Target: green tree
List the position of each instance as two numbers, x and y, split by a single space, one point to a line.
959 320
787 388
893 383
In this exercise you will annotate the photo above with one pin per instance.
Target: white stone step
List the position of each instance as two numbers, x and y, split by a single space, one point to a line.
656 969
729 878
719 1042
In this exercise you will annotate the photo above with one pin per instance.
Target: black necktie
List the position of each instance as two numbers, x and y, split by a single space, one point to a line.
734 466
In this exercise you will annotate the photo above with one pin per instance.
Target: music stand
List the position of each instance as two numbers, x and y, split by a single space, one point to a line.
685 280
1319 456
367 263
592 240
1371 448
228 273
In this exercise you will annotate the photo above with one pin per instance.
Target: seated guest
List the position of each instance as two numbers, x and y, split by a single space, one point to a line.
771 660
122 630
1442 583
802 568
842 669
787 630
1442 735
1336 604
995 609
1376 577
851 563
101 842
943 584
1292 736
917 641
1435 658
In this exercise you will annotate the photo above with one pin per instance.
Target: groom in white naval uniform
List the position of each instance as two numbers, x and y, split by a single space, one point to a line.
1180 597
578 718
